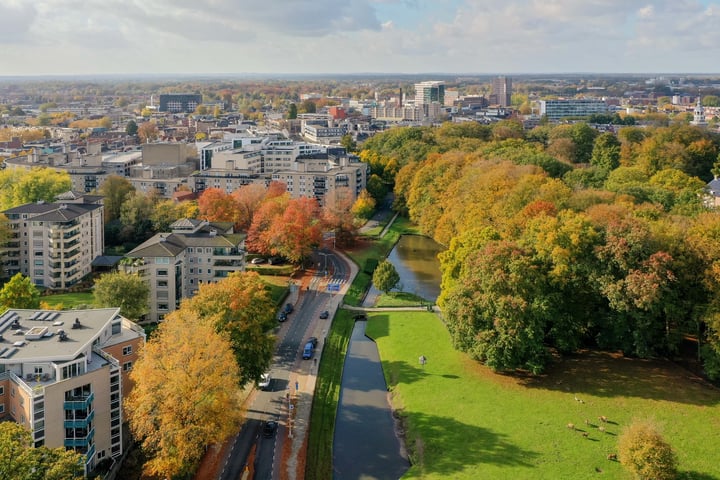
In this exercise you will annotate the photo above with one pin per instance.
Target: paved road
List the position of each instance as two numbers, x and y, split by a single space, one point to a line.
365 445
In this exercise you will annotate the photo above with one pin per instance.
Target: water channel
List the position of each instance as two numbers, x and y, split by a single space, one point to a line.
415 259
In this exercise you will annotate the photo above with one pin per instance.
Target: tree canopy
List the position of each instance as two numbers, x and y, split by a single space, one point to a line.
385 277
19 186
19 292
127 291
185 395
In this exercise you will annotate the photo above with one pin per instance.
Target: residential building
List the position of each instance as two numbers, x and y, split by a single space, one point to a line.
175 264
576 107
179 102
64 375
55 243
501 91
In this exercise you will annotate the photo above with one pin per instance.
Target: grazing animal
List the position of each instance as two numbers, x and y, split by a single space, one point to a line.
571 426
585 434
587 422
602 429
603 418
598 469
576 398
612 456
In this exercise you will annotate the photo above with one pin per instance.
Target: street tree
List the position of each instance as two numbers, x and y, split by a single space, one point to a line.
127 291
385 277
185 393
19 292
241 307
20 459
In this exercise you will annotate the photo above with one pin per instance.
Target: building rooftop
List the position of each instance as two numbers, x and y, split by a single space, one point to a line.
33 334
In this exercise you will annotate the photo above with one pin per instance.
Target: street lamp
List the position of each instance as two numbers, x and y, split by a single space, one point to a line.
324 255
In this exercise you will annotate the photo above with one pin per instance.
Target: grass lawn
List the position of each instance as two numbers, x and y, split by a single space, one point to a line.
400 299
69 300
464 422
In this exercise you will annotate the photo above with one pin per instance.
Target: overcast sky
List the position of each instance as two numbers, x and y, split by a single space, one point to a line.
39 37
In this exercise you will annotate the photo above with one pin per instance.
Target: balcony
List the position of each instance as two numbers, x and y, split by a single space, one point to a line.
80 442
227 252
80 422
79 403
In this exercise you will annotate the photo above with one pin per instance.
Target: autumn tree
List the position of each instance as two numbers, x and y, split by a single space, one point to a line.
216 205
644 451
185 393
247 200
240 306
20 459
127 291
148 131
364 206
297 231
19 186
260 235
385 277
337 216
19 292
165 213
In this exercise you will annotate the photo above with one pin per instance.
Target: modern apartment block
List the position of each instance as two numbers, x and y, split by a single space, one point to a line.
64 374
575 107
501 91
179 102
175 264
55 243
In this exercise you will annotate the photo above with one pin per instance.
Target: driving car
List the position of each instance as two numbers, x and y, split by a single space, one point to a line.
269 428
265 380
325 314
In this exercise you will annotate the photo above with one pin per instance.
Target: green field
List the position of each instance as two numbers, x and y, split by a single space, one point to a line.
464 422
69 300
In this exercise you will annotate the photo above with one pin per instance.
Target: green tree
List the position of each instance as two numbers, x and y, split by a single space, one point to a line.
116 190
19 459
711 101
606 152
385 277
240 306
19 186
308 106
292 112
644 451
19 292
127 291
348 142
131 128
185 393
136 217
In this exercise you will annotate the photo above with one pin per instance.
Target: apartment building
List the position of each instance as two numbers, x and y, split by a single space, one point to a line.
64 374
54 243
175 264
574 107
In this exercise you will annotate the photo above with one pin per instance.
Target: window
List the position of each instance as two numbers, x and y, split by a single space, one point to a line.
127 366
116 327
2 390
127 350
162 283
38 370
2 408
162 273
162 306
162 260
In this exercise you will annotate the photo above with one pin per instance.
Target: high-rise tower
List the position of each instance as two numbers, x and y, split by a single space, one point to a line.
501 91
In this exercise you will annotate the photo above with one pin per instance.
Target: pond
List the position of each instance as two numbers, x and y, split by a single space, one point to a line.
415 259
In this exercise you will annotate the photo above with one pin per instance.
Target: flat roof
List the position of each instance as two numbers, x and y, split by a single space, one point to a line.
34 334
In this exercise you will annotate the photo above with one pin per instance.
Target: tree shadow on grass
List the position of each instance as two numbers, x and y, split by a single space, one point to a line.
445 446
690 475
604 374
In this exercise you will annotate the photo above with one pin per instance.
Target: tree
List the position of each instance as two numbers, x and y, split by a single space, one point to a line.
217 206
127 291
364 206
185 393
20 459
292 112
148 131
606 152
385 277
19 186
116 190
297 231
131 128
19 292
240 306
248 199
136 217
643 451
348 142
308 106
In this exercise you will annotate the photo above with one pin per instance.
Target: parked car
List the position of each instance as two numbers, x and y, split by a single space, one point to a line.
269 428
257 260
282 316
308 351
265 381
276 260
325 314
313 340
288 308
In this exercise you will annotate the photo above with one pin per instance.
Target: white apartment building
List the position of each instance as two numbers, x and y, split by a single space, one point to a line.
175 264
55 243
64 374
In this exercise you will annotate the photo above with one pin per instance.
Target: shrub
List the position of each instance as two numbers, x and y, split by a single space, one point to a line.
370 265
643 451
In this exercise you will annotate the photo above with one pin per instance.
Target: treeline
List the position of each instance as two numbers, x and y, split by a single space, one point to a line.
562 238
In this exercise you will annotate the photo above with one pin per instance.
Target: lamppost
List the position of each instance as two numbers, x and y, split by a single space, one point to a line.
324 255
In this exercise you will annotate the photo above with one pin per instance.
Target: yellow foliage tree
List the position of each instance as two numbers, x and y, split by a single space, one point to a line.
185 395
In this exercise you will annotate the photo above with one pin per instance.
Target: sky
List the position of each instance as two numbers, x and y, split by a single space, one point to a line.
111 37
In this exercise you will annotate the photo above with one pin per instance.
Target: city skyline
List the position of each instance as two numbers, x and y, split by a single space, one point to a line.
67 37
